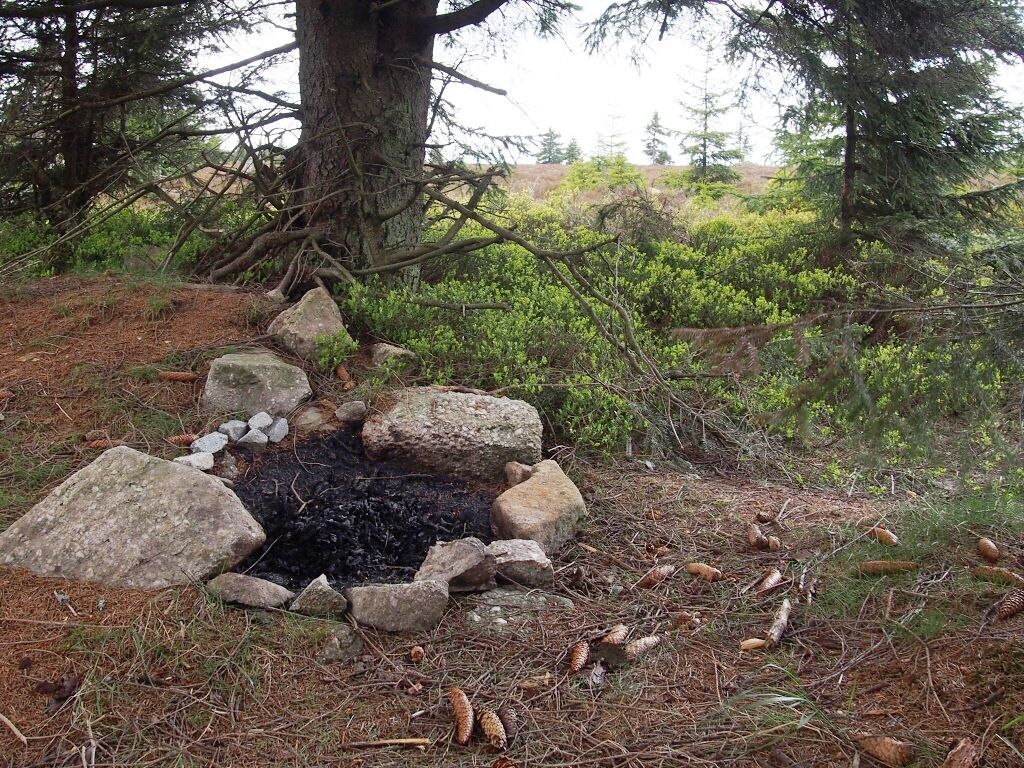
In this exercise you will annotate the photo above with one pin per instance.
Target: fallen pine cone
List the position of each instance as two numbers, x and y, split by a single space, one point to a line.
462 712
104 444
778 628
185 438
579 654
704 571
616 635
492 728
883 567
884 536
753 644
765 516
504 762
886 749
417 654
180 376
509 717
963 755
774 545
998 575
1011 605
988 550
655 576
342 373
95 434
756 537
5 394
641 645
770 582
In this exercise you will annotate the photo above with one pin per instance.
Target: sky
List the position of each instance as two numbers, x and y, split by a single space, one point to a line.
555 83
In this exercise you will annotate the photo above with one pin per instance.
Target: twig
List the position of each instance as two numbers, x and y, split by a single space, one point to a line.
14 729
418 743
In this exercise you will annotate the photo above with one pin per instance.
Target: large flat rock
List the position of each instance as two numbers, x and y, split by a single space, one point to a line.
414 607
249 382
298 328
133 520
544 508
460 433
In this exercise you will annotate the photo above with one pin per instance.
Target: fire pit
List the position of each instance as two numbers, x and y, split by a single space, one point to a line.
328 509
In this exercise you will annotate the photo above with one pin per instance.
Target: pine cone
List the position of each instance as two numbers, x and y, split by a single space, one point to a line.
95 434
493 729
579 654
998 575
616 635
774 545
462 713
510 719
963 755
1011 605
704 571
186 438
988 550
641 645
180 376
884 536
765 516
770 582
655 576
886 749
104 444
417 654
756 537
883 567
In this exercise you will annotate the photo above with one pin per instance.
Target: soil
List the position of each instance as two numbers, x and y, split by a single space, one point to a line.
328 509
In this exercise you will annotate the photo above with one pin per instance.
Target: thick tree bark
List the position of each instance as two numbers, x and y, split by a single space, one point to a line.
365 102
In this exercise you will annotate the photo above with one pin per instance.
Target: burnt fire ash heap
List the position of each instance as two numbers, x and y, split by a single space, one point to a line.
327 508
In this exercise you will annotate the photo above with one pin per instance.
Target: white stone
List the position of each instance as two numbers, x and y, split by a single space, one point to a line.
544 508
261 421
253 439
211 443
522 562
352 412
202 461
234 429
320 599
277 431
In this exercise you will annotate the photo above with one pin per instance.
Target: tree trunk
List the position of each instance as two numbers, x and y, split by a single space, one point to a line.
365 93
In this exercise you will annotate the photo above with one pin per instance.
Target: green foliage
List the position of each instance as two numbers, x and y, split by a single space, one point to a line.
655 147
550 151
333 349
613 172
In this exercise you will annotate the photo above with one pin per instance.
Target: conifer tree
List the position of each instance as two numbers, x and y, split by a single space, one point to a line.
572 153
710 149
654 142
550 152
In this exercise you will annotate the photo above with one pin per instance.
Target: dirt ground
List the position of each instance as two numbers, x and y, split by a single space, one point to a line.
102 677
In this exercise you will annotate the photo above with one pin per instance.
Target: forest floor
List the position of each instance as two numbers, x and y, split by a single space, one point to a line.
171 677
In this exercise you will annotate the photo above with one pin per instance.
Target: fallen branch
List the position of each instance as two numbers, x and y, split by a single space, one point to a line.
14 729
418 743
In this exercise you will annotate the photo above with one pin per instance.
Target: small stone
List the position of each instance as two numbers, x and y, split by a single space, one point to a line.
234 429
254 440
516 472
211 443
277 431
414 607
202 461
228 469
385 354
319 599
353 412
249 591
261 421
465 565
522 561
343 645
313 419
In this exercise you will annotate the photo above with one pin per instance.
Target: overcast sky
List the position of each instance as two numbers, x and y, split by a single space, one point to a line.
555 83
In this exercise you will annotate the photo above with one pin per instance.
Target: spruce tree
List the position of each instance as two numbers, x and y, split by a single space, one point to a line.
654 142
572 153
550 152
711 150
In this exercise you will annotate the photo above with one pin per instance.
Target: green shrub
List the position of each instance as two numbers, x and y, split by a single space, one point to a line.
333 349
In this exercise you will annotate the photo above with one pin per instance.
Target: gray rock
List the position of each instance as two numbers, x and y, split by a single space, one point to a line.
343 644
412 607
234 429
277 431
228 469
313 419
522 562
254 381
298 327
254 440
261 421
460 433
465 565
132 520
353 412
544 508
201 461
249 591
501 611
384 354
517 472
211 443
319 599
